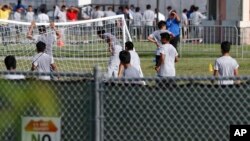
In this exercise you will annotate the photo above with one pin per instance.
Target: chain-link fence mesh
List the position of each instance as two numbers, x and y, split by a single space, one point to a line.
155 109
69 99
171 110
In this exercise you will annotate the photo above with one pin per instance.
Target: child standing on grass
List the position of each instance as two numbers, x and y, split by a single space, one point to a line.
135 59
114 48
43 62
30 14
155 38
129 70
168 58
226 66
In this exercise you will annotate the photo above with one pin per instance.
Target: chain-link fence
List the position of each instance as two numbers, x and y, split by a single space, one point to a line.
71 99
172 109
159 109
194 40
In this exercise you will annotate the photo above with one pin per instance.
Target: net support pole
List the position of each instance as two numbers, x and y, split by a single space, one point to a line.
124 31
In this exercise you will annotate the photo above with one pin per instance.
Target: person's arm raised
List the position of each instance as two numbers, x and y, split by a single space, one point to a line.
30 31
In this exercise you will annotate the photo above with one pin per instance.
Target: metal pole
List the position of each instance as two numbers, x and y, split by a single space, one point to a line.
97 105
158 10
181 44
180 7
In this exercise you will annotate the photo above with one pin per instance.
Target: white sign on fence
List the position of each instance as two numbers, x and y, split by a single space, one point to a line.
41 129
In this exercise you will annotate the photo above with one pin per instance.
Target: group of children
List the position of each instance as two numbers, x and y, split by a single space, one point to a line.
126 63
166 57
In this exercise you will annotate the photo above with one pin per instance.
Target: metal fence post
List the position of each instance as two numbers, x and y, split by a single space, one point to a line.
97 105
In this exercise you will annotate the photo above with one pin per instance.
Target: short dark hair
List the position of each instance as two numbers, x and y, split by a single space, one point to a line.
196 8
192 7
5 6
42 29
148 6
110 8
169 8
10 62
43 10
137 9
99 32
40 46
129 45
165 35
97 7
185 10
156 10
124 57
225 46
161 24
126 7
63 6
172 13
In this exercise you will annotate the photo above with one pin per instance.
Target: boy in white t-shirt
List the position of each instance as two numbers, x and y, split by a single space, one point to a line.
62 14
43 17
49 38
43 62
18 17
168 58
114 48
226 66
129 70
10 63
155 38
135 59
30 14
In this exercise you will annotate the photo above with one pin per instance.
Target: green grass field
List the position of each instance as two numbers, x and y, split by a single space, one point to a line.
194 60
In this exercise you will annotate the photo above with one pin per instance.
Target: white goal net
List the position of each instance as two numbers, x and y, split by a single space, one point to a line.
79 49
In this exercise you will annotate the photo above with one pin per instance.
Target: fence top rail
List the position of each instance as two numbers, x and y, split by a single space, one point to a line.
183 78
101 77
29 73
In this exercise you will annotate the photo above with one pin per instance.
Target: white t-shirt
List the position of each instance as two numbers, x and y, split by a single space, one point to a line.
160 16
108 14
17 16
148 17
43 62
156 35
131 72
62 16
135 61
196 18
225 66
29 16
184 19
43 18
85 16
167 68
137 19
115 47
96 15
49 39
